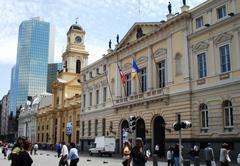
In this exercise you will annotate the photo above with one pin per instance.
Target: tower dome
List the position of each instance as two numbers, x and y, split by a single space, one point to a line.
75 27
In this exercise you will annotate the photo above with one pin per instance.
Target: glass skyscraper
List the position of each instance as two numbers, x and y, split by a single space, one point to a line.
53 69
34 52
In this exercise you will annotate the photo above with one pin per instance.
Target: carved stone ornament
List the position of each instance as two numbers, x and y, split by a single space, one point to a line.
222 38
142 60
200 46
160 51
127 66
96 86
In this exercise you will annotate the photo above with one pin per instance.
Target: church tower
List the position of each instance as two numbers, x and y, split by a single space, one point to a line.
75 56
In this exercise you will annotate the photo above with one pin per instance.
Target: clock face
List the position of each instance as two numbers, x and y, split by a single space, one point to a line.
78 39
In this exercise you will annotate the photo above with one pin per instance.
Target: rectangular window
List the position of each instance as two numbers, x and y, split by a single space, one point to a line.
161 74
143 78
202 67
96 127
104 68
103 126
83 127
221 12
90 99
104 94
225 58
228 116
89 128
97 96
84 100
199 22
90 75
97 70
128 76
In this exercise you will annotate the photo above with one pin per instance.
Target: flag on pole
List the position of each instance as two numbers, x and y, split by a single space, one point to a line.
122 76
135 70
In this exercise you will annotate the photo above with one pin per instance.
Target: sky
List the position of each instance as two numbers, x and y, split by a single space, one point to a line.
101 19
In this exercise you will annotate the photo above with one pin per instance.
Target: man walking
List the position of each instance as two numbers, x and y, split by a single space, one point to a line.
138 155
208 154
64 155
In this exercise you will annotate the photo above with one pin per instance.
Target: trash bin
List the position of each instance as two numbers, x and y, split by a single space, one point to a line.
196 161
155 160
186 162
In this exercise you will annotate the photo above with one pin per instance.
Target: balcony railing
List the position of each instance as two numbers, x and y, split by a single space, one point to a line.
142 97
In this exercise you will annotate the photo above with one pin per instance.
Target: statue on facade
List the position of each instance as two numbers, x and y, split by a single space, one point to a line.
110 44
184 2
169 8
117 39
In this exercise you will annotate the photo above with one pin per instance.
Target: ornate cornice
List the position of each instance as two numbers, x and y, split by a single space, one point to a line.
159 52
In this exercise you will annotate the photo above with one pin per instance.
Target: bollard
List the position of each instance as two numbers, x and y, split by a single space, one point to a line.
196 161
155 160
186 162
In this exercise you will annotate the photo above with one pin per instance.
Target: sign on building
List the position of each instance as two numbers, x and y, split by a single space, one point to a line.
69 128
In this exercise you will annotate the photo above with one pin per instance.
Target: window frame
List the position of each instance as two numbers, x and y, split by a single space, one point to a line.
161 84
200 18
204 116
228 107
205 70
224 14
229 57
143 79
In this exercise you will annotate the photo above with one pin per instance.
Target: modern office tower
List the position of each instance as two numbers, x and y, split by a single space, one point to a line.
53 69
35 50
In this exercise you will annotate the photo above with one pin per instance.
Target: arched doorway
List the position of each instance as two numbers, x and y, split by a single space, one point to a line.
140 129
159 135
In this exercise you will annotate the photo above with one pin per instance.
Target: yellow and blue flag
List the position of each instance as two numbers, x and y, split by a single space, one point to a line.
135 70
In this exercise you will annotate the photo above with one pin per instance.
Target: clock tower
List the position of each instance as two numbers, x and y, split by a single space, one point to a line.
75 56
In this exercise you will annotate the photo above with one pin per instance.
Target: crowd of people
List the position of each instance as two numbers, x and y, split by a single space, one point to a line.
137 155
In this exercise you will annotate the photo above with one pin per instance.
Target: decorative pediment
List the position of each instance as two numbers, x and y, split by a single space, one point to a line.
137 31
142 59
222 38
200 46
159 52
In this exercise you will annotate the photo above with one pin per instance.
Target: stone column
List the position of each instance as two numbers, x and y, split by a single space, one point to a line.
150 65
212 56
169 60
117 82
185 56
237 47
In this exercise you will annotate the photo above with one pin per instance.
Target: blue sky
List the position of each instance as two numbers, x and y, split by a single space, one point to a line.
101 19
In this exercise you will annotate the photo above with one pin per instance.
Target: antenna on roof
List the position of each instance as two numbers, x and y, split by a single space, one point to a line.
77 20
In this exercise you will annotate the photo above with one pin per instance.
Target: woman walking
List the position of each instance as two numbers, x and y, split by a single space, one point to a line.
73 155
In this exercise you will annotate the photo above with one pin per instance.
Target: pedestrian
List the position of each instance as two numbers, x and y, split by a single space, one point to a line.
170 156
209 155
16 149
138 154
35 148
64 155
224 156
24 157
176 155
73 155
59 148
4 150
126 154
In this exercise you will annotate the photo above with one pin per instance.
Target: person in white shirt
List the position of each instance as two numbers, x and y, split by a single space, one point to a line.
73 155
64 155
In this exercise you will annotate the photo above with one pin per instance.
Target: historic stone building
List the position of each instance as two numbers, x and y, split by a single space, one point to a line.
28 115
189 65
60 121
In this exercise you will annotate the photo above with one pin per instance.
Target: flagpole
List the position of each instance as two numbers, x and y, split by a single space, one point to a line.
140 85
105 73
121 81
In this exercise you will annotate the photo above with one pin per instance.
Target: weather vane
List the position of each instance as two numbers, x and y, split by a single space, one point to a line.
77 20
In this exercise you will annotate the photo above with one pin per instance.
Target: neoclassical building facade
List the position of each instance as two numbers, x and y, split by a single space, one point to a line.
60 121
189 65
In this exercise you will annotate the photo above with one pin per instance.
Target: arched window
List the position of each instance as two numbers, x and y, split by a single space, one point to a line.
228 113
178 63
204 115
103 127
78 66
